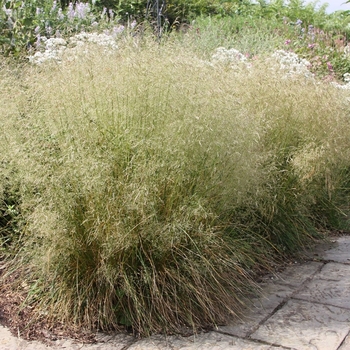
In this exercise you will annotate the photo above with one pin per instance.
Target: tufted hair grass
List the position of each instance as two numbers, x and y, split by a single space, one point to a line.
153 184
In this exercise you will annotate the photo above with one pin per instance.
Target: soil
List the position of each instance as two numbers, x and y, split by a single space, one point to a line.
22 320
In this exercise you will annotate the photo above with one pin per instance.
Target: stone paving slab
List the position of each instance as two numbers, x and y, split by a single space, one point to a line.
303 325
336 293
205 341
340 252
256 312
334 272
115 342
274 290
346 344
7 341
296 274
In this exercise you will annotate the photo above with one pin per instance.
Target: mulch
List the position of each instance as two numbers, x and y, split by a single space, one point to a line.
22 320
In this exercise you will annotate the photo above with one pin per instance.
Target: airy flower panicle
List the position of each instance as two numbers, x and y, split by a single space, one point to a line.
54 6
111 14
7 11
118 29
60 14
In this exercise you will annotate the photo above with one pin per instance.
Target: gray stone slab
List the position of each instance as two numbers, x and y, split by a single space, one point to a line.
157 342
215 341
35 345
305 326
296 274
334 272
7 341
115 342
346 344
112 342
340 252
318 251
244 327
211 340
269 291
257 310
335 293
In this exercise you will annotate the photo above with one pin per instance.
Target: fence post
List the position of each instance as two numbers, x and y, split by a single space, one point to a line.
157 10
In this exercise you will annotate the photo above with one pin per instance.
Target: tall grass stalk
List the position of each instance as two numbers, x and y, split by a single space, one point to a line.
153 184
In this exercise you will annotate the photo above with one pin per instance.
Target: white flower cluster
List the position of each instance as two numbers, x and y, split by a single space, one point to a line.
288 62
55 48
104 39
347 51
291 64
232 57
345 86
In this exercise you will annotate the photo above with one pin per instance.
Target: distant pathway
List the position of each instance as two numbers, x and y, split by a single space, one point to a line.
306 307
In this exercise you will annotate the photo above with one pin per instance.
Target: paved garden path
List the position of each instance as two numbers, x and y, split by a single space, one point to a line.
306 307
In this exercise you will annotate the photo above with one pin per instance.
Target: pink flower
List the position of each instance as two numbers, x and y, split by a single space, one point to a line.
287 42
330 67
118 29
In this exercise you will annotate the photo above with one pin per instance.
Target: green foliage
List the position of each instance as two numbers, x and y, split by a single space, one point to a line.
326 50
125 9
178 10
144 235
17 21
251 36
24 23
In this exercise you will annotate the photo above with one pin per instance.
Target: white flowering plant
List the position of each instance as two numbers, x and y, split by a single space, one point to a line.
54 49
231 57
24 25
291 64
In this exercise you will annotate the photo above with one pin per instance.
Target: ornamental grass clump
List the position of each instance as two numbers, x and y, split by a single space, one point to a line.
122 179
154 184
